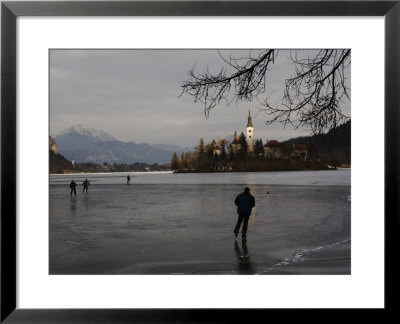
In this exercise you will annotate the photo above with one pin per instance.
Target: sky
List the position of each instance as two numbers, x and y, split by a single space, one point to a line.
134 96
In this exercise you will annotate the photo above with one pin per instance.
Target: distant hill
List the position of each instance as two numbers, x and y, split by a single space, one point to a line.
119 152
86 144
333 147
59 164
172 148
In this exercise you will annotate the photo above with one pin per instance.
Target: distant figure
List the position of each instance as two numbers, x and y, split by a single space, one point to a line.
244 202
128 179
72 185
85 185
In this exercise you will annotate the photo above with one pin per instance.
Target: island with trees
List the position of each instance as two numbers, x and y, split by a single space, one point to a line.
317 152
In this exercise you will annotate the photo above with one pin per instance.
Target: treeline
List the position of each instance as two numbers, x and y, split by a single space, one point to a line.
332 148
221 156
115 167
324 151
59 165
203 158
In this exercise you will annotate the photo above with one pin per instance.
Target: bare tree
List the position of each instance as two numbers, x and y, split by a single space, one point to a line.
311 99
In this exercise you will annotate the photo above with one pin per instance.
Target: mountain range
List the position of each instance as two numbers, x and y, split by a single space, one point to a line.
85 144
82 143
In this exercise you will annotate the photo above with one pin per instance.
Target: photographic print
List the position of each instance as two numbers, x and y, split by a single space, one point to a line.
200 161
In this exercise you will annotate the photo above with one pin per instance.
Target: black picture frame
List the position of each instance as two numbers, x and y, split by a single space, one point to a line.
10 10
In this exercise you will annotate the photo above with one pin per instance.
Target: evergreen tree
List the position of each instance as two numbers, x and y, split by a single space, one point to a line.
223 153
175 163
200 148
210 147
184 161
188 160
201 160
243 147
232 155
222 143
259 148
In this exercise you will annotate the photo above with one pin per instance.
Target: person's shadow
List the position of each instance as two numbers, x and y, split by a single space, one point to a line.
244 263
73 202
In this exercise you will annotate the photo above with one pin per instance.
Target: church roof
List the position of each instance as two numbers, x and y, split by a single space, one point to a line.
236 139
272 143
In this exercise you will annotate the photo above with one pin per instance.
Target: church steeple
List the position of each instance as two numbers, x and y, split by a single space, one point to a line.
249 122
250 134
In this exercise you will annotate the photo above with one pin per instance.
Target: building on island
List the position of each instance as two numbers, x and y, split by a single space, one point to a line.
235 144
300 152
217 151
273 150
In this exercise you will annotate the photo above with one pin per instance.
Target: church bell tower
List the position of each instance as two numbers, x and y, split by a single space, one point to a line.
250 134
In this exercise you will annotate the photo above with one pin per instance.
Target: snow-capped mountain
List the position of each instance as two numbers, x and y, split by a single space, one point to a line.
86 144
88 131
78 136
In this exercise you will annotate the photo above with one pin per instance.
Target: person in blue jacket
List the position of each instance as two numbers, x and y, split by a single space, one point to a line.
245 203
72 186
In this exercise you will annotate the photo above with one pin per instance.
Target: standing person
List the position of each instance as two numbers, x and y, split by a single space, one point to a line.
85 185
128 179
72 185
245 203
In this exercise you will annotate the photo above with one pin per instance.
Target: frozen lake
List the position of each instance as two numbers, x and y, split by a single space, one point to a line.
164 223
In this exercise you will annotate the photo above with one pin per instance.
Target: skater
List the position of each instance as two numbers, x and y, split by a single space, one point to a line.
128 179
244 202
85 185
72 185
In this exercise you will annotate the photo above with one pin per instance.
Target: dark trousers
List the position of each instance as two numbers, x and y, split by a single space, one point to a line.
73 190
245 220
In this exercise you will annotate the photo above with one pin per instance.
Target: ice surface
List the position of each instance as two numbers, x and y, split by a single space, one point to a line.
165 223
339 177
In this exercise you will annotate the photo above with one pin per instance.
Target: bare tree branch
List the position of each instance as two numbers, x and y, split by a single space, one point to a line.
312 98
247 81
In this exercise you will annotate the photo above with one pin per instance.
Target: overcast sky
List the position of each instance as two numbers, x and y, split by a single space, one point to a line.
133 95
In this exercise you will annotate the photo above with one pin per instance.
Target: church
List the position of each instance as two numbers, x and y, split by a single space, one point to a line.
235 144
272 149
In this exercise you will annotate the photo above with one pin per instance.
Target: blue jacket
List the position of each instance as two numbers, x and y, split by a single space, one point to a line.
245 202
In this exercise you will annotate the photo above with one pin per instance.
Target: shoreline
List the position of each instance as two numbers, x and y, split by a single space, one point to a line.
193 172
123 172
258 171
